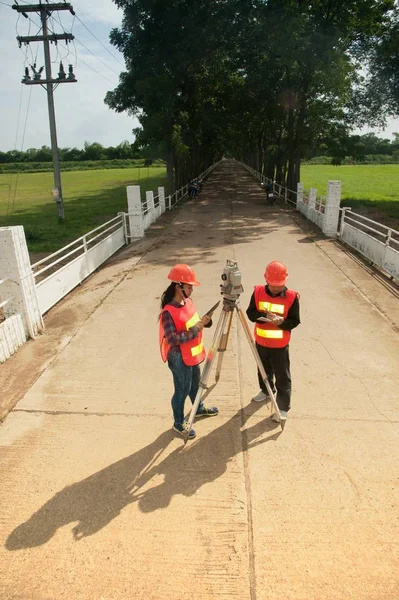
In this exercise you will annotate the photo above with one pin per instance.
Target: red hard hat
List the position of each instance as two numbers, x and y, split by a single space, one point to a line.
276 273
183 274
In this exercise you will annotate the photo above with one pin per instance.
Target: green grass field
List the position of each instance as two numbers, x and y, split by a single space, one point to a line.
90 198
93 197
369 189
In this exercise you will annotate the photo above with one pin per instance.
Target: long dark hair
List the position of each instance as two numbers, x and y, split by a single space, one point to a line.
168 296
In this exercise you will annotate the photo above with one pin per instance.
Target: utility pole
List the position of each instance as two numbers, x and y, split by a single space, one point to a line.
49 84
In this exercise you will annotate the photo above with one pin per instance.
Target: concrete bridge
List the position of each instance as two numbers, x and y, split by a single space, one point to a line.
99 498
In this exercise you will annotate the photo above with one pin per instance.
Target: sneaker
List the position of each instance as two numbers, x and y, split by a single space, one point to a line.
205 411
182 428
283 416
260 396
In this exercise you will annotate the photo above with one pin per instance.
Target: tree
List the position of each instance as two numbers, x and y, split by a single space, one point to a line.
94 151
383 80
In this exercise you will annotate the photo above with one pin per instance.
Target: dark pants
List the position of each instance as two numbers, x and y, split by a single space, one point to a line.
276 362
186 380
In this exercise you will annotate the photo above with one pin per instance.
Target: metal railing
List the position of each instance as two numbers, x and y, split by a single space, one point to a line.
46 267
386 235
378 243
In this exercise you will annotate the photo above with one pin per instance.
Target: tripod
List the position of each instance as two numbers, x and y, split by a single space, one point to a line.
219 344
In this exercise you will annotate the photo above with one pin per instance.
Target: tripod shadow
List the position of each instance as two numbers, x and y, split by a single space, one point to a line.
94 502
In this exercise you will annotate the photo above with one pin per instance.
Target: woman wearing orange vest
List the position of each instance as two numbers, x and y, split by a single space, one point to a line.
280 306
180 341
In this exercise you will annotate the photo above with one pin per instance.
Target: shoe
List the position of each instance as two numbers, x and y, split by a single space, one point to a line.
260 397
283 416
182 428
205 411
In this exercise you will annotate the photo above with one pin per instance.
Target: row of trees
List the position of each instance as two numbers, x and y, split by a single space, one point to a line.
94 151
355 147
265 81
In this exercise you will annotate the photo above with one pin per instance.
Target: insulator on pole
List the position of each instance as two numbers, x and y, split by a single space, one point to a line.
71 74
61 72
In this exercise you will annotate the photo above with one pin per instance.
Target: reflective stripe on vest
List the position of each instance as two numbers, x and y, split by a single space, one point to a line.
197 349
274 308
274 334
194 319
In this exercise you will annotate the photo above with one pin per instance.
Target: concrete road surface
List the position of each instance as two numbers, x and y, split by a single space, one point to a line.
100 500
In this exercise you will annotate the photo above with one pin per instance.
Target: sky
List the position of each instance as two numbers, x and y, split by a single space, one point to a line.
79 107
81 114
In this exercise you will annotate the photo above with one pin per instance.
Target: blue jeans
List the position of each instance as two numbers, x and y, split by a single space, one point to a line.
186 380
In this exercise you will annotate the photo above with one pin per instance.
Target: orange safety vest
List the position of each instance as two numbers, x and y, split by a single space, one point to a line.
193 351
268 334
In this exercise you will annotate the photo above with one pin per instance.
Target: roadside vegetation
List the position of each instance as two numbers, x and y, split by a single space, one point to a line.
372 190
90 199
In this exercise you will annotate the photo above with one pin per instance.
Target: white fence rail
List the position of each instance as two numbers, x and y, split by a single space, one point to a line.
378 243
60 272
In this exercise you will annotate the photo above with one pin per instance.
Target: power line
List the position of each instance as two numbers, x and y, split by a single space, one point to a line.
22 145
92 68
100 42
23 139
58 18
15 146
95 55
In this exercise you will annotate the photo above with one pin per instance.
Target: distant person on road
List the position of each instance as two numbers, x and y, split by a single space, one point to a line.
192 189
180 340
275 311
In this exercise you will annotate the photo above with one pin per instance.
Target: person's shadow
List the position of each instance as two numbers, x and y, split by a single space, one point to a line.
95 501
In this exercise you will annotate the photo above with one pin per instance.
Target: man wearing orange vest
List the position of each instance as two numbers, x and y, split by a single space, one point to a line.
180 342
275 311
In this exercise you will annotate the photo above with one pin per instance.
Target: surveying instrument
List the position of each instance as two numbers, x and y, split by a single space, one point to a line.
231 288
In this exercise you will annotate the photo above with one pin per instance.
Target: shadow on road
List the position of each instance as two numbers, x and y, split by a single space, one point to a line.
95 501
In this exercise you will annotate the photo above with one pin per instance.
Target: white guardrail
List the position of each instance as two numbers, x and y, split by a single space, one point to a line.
377 242
60 272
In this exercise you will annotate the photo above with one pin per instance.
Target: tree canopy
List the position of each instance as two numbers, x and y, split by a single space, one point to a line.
261 80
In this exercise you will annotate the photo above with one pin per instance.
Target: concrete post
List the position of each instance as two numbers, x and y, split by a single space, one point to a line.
312 198
149 196
20 285
161 194
136 224
331 215
299 194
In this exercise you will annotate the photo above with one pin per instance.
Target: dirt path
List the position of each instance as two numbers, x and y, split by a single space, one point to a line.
100 501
